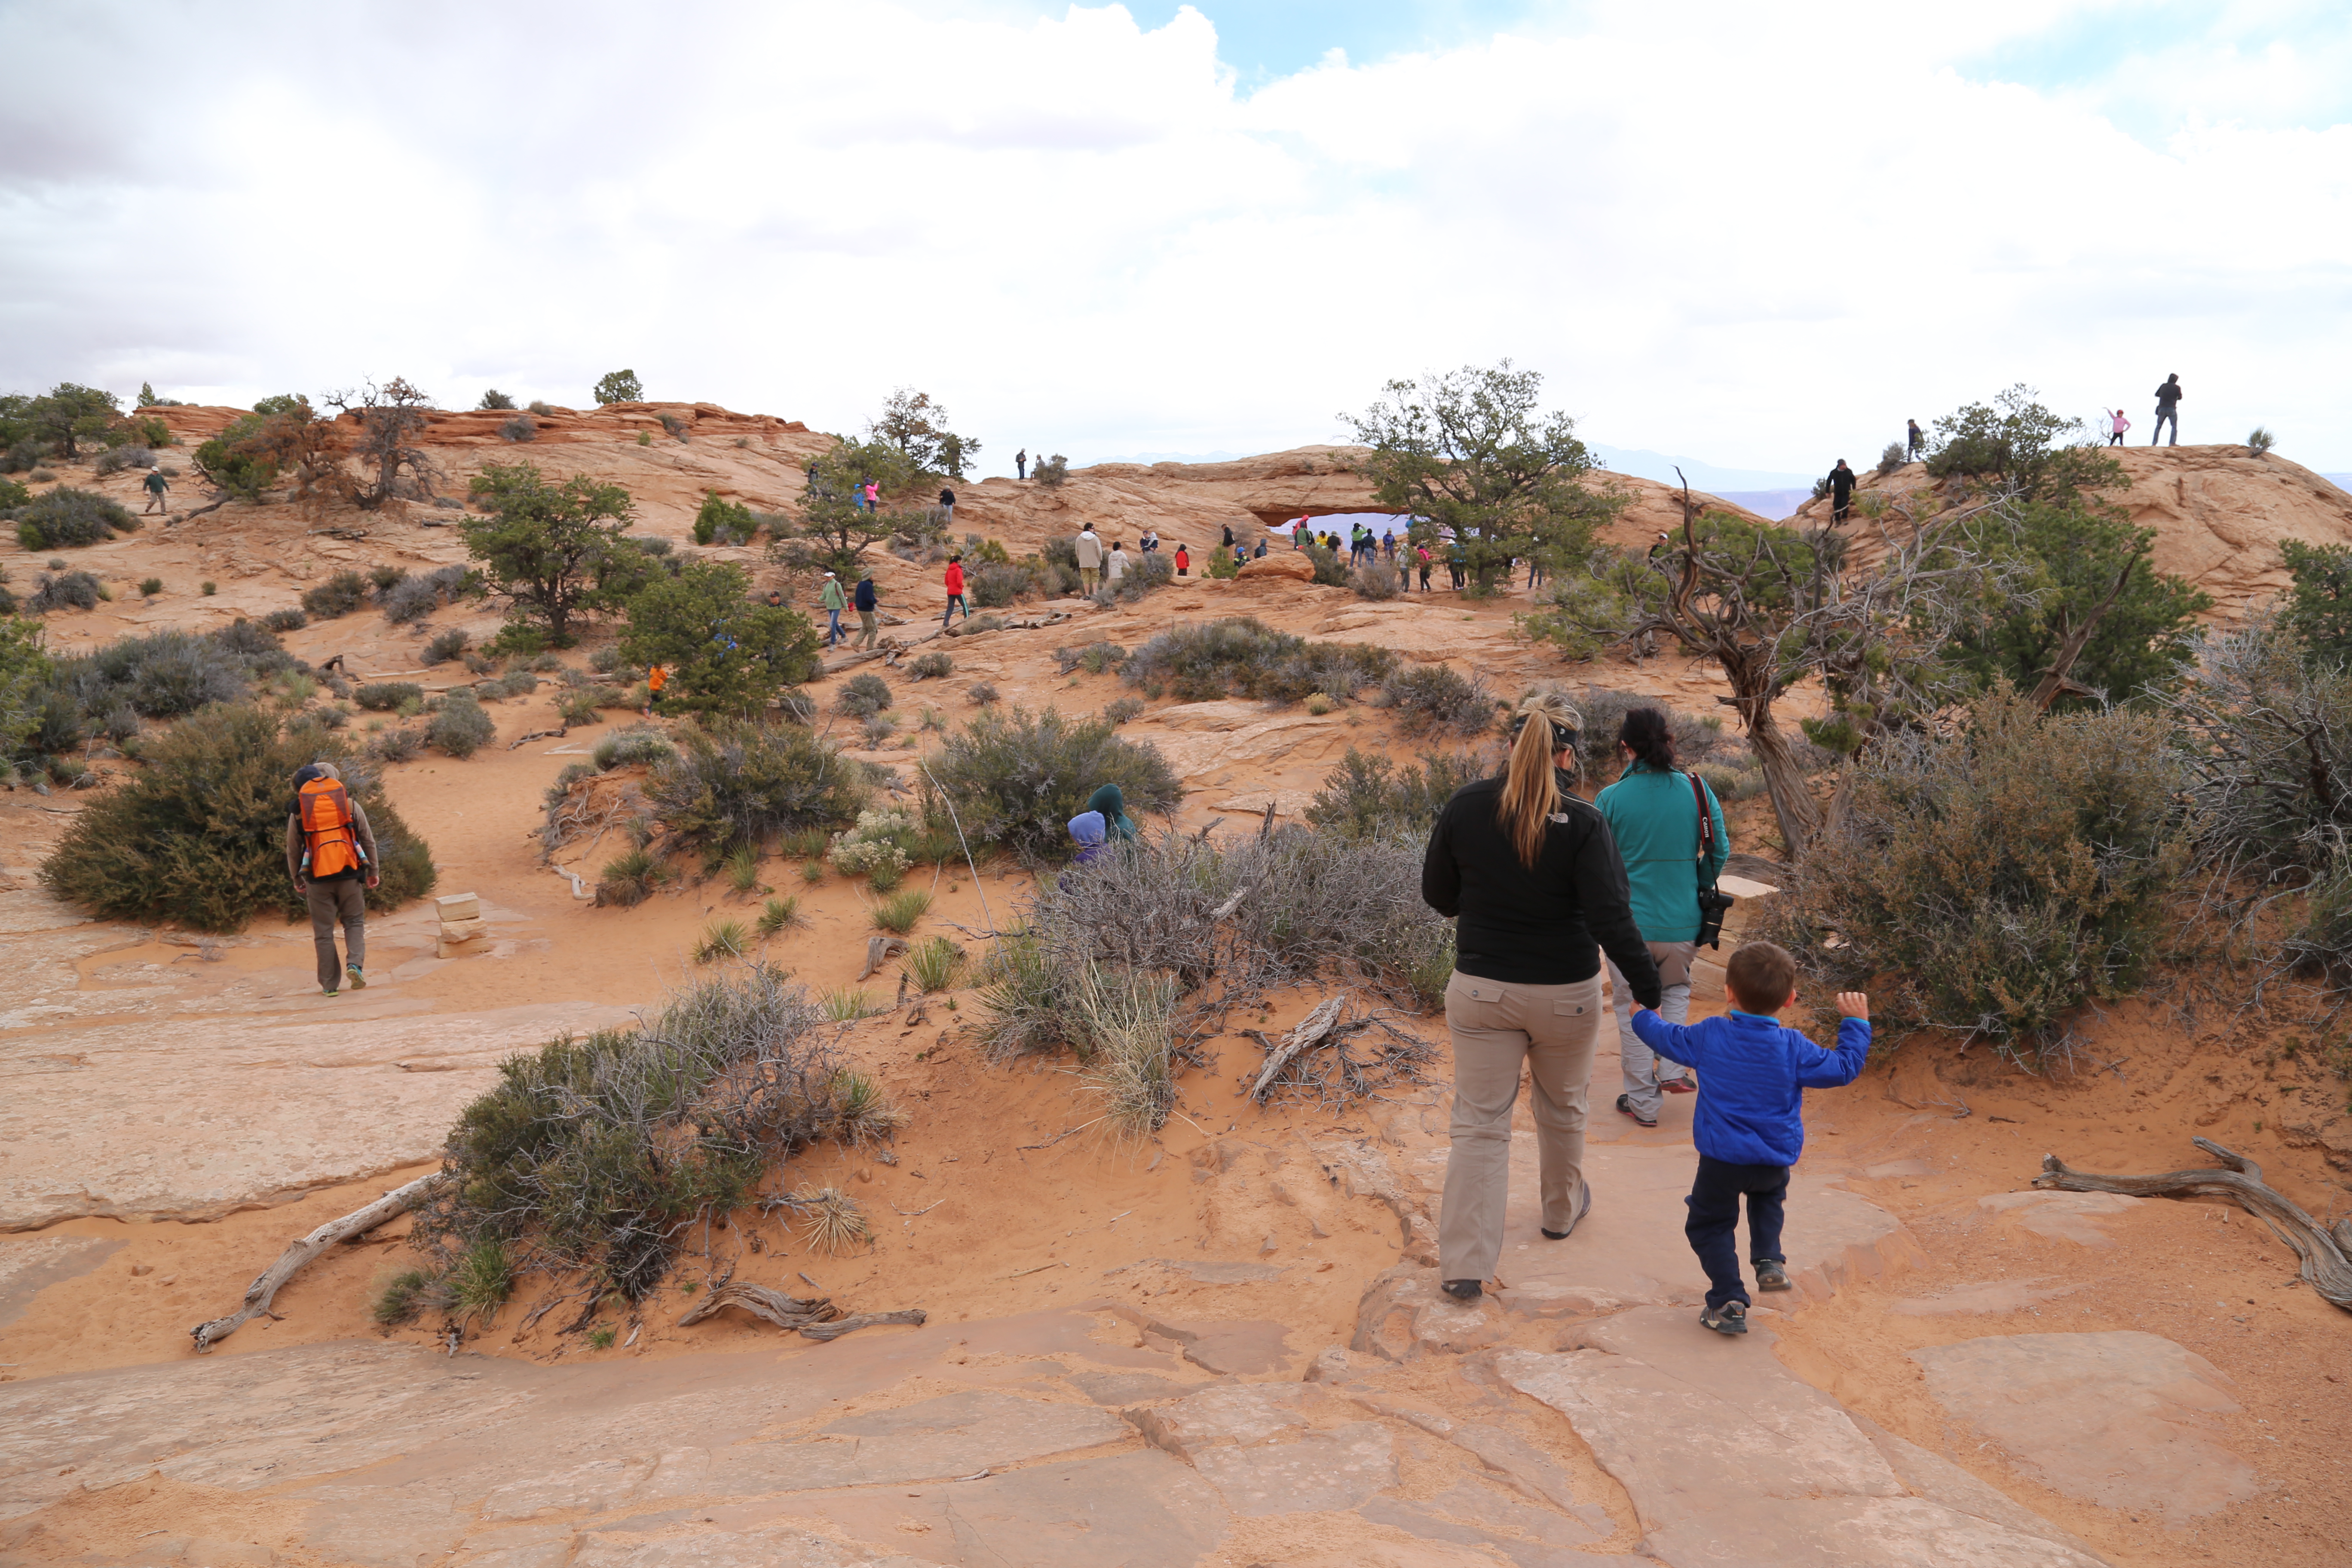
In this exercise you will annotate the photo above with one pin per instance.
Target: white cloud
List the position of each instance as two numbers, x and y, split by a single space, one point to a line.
1717 232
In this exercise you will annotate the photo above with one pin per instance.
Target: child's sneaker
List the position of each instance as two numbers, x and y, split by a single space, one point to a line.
1771 1276
1731 1317
1683 1085
1625 1104
359 980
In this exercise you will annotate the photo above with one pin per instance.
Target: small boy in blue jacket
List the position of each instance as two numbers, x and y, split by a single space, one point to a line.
1750 1125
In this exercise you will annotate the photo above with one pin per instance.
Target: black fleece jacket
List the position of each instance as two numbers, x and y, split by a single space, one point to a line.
1541 925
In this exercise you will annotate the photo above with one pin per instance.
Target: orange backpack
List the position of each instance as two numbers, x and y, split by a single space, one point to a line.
325 811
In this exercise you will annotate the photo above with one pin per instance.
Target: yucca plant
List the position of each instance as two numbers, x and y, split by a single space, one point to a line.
722 939
900 911
866 1114
629 878
934 964
778 913
846 1005
831 1219
743 868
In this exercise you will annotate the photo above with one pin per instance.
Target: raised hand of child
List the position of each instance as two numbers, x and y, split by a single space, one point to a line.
1854 1005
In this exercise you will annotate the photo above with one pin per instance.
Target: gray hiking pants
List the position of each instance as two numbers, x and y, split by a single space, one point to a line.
1497 1029
1641 1068
340 902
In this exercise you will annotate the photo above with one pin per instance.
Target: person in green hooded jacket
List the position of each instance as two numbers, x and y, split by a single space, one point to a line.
1111 801
1653 812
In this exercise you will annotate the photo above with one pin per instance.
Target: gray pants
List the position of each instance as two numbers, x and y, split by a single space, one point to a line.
1497 1029
1643 1070
340 902
2166 414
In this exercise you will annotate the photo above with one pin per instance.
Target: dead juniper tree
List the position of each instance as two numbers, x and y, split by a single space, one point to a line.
1868 614
391 418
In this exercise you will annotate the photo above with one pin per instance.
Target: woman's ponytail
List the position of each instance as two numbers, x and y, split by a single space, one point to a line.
1546 726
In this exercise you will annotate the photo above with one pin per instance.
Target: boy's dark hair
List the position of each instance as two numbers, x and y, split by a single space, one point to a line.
1762 976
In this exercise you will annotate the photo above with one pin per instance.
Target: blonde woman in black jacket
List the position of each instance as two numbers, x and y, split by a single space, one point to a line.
1533 875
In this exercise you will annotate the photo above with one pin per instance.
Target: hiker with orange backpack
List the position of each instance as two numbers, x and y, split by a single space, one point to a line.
331 855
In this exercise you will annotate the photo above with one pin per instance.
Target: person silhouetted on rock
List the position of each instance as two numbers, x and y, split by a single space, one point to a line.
1021 464
331 855
1914 440
1840 491
2167 410
947 506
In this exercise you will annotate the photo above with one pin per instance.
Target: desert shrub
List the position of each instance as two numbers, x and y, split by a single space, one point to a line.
994 585
165 674
114 459
287 620
2259 441
577 710
383 696
930 665
723 522
1094 657
513 683
981 692
522 427
629 878
599 1154
639 743
1367 796
11 496
1990 882
740 783
1017 779
461 728
401 745
337 595
864 696
1892 458
64 590
412 599
877 846
445 646
1052 472
198 835
383 577
1376 579
542 408
1147 571
1245 658
1427 696
934 964
1696 739
1121 711
1332 568
66 517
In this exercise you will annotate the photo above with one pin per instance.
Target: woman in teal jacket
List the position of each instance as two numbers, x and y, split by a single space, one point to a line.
1653 811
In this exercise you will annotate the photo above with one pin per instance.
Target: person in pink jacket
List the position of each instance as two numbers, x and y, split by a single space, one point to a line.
2116 428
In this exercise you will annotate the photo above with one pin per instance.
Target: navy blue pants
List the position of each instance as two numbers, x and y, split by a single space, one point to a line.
1715 1219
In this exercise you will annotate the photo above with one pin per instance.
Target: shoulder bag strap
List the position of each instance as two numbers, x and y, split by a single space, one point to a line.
1705 818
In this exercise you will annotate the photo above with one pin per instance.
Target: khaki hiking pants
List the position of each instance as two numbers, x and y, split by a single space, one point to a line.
1089 579
344 902
1498 1027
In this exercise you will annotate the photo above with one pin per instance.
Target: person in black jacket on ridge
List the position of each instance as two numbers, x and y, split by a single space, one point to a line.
1840 482
1534 876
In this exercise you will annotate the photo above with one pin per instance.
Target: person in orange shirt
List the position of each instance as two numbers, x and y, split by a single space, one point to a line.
655 679
955 590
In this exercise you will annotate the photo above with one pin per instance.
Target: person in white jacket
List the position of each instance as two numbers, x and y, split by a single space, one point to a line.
1090 560
1116 563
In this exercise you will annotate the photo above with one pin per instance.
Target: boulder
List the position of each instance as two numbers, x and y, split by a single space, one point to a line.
1291 564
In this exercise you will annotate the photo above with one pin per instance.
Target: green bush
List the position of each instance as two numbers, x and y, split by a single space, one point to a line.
599 1154
290 619
639 743
13 495
726 652
166 674
64 590
619 386
461 728
150 586
994 585
2319 608
740 783
724 523
1016 779
445 646
1990 882
383 696
1369 796
401 745
863 696
1244 657
198 835
66 517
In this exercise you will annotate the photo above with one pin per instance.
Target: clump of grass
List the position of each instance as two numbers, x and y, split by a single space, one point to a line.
778 914
383 696
1122 711
929 665
601 1339
865 1114
402 1298
629 878
900 911
1129 1017
722 939
1317 703
578 710
637 744
445 646
812 871
934 964
150 586
208 589
482 1280
742 868
846 1005
831 1220
885 878
981 693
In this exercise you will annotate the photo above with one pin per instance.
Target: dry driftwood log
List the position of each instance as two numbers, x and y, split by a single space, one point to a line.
1310 1033
834 1330
774 1306
2325 1251
879 951
298 1253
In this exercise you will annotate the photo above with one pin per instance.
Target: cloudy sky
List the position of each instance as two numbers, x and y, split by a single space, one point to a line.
1759 234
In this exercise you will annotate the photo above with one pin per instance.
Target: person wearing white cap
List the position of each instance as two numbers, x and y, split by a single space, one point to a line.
836 601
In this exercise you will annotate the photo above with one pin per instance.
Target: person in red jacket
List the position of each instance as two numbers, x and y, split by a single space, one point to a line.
1183 562
955 591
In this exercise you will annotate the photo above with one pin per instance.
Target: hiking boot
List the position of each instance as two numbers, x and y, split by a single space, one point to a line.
1731 1317
1625 1104
1683 1085
359 980
1464 1290
1583 1207
1771 1276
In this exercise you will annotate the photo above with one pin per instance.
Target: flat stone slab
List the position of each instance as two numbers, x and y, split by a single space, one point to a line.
1992 1295
2120 1418
1318 1472
1731 1462
1223 1417
2061 1217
